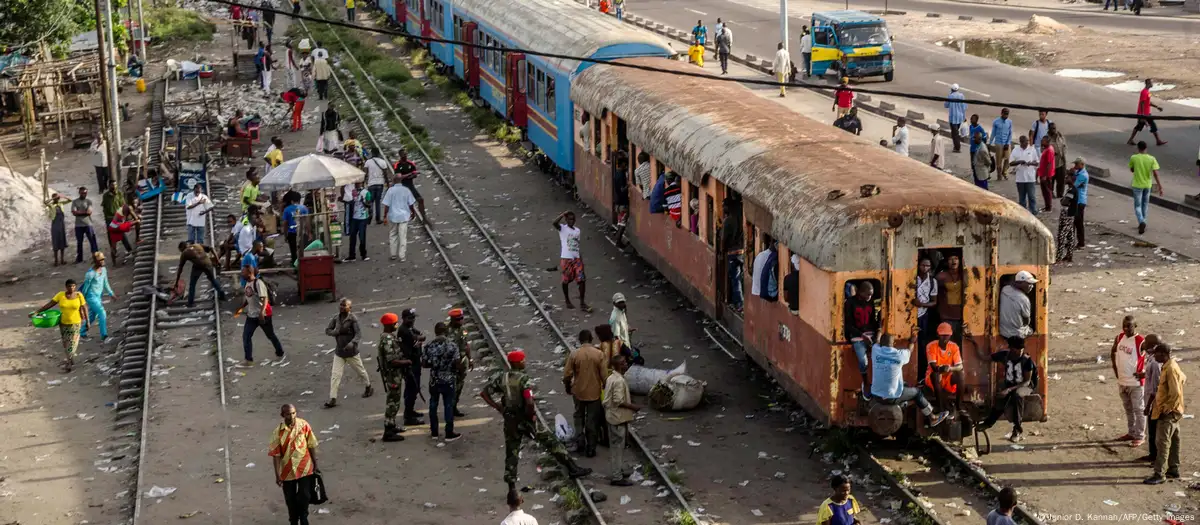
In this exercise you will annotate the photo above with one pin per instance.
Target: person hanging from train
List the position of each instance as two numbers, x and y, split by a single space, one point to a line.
944 377
861 322
620 180
1015 307
1019 381
925 301
888 383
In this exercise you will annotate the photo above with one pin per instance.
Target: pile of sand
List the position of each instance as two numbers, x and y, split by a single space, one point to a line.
23 219
1043 25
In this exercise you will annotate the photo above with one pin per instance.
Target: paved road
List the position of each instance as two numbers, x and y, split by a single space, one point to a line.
928 69
1090 16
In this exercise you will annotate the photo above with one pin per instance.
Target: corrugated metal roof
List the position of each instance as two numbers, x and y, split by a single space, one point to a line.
557 26
788 163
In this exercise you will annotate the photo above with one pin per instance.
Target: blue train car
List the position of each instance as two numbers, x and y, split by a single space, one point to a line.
391 8
534 92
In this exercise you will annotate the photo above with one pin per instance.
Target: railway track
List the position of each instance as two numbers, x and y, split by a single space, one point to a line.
470 226
156 328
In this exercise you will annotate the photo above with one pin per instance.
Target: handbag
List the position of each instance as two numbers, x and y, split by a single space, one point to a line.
318 496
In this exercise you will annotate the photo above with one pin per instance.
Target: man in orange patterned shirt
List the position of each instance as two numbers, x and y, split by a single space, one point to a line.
294 450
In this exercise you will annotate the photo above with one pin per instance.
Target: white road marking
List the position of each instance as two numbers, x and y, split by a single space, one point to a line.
739 24
701 13
980 93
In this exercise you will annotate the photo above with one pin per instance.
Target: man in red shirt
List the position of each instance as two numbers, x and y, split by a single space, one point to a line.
843 98
1143 109
1045 171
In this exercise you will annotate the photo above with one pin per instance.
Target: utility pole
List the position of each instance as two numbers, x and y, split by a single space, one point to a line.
114 106
142 32
101 43
783 23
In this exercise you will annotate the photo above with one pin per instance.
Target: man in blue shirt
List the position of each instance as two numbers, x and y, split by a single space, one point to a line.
1002 142
887 383
291 219
700 33
958 112
253 258
1081 181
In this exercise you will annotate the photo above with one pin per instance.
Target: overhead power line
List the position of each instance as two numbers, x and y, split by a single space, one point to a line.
768 83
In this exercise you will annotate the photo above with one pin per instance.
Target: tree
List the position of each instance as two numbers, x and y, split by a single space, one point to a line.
26 23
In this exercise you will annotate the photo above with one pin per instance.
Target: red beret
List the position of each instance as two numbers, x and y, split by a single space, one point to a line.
456 313
516 356
389 318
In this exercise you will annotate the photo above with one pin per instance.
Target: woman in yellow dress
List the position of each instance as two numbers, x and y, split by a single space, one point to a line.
74 311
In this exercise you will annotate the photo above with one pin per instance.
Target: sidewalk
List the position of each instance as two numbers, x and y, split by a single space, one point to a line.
1106 209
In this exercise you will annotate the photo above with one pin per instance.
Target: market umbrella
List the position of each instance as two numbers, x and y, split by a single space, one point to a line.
311 172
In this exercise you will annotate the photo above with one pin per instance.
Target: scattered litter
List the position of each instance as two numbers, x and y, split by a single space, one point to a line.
538 507
1017 447
54 382
188 515
633 511
1111 503
780 475
1089 398
693 443
322 511
160 492
249 465
625 500
1101 378
762 455
756 512
743 483
429 505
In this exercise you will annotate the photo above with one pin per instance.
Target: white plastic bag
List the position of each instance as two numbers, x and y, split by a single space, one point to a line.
563 429
680 392
641 379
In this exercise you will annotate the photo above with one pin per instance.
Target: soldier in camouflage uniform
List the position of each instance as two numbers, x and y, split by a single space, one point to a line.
515 401
391 361
466 361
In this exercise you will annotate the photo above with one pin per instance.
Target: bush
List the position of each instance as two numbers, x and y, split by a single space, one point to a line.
413 88
389 72
174 24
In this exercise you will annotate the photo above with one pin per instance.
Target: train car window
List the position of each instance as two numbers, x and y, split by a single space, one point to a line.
541 92
584 127
597 133
790 290
693 208
1005 281
863 310
550 106
502 66
707 213
521 85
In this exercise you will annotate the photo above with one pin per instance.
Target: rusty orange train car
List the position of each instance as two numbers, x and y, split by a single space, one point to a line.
852 211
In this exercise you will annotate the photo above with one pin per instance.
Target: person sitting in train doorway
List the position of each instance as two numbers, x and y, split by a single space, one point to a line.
861 323
1019 381
571 263
944 378
888 383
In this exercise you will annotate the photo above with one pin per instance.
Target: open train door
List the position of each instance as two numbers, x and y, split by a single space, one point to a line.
515 107
401 12
471 55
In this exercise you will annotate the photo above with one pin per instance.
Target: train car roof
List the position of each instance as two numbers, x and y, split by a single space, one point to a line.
563 27
786 163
